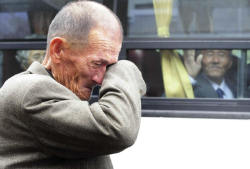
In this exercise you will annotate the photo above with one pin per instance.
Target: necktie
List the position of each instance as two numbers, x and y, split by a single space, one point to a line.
220 92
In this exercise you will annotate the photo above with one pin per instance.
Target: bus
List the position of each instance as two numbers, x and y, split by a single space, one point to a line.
176 44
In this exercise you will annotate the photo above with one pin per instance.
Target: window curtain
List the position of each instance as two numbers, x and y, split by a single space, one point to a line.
175 77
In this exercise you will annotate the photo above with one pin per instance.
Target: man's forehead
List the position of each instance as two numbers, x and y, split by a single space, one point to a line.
104 57
217 50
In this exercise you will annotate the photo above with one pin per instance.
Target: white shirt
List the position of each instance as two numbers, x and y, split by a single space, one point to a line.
227 92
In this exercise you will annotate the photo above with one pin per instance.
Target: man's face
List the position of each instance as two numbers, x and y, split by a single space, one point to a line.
84 67
215 64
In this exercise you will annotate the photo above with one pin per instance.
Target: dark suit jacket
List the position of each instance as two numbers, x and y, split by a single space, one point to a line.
43 125
204 89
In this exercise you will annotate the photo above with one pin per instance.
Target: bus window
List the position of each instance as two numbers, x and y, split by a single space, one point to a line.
16 61
188 18
27 19
203 73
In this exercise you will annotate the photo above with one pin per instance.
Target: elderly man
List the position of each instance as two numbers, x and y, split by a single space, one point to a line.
46 121
207 73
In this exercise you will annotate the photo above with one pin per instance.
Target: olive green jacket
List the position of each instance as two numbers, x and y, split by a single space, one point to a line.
43 125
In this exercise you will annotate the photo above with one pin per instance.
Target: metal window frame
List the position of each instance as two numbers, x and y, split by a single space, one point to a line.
22 45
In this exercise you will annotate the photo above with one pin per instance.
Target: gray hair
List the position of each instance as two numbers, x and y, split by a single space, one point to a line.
75 20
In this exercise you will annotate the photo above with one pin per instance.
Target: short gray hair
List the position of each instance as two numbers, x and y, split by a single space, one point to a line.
75 20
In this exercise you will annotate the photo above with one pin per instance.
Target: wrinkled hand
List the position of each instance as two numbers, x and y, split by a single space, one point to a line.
192 65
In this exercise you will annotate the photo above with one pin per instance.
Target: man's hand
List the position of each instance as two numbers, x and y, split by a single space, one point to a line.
192 64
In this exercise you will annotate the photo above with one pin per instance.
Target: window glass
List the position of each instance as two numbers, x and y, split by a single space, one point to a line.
188 18
16 61
1 65
27 19
168 73
194 73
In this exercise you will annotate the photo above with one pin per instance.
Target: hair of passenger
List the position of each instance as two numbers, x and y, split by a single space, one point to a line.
199 51
75 20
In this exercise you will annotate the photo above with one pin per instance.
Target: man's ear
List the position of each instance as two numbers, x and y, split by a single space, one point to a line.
57 46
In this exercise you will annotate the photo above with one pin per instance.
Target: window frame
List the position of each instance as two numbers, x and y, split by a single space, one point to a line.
191 108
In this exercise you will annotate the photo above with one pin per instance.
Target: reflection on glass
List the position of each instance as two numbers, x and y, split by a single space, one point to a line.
26 57
27 18
193 73
149 62
14 25
196 16
189 18
16 61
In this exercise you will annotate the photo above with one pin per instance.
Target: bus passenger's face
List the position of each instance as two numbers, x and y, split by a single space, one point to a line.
215 64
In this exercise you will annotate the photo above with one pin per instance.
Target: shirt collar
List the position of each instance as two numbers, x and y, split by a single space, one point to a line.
216 86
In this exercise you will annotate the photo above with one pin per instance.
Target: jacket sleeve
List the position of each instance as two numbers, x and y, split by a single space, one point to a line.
67 127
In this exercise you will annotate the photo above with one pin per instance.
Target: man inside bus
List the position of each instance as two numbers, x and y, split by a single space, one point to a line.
46 120
208 73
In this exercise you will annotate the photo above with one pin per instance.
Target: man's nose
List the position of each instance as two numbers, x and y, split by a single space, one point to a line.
216 58
99 76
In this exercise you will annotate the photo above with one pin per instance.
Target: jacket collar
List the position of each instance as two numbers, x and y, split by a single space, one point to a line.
37 68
